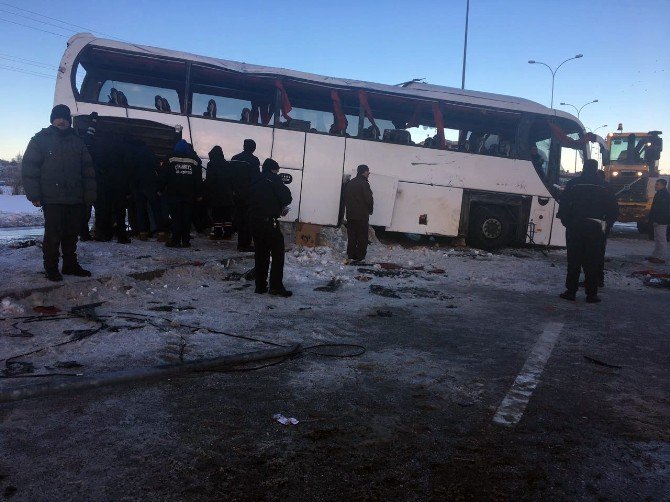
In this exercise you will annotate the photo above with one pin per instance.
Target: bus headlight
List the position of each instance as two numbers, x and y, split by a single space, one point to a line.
615 173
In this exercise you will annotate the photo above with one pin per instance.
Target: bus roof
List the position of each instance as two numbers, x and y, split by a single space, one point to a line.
414 89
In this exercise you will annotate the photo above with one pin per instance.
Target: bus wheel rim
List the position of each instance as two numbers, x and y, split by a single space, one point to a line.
492 228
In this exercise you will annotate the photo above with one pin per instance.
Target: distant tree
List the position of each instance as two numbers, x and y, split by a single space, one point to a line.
14 175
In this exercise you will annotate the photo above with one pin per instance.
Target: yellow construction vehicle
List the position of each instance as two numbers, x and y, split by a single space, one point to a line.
632 171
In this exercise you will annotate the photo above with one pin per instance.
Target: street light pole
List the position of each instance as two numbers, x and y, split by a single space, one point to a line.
553 72
465 44
579 112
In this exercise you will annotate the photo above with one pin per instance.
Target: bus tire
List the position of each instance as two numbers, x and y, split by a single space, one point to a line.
489 227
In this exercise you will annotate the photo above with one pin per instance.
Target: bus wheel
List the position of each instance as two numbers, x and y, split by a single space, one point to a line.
489 227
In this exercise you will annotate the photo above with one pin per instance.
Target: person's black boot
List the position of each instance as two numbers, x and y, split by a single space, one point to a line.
568 295
283 292
76 270
53 275
593 299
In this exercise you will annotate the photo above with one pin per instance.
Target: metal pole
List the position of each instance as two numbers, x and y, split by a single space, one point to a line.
465 44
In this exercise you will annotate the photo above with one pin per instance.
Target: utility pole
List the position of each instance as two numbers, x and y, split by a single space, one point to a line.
465 44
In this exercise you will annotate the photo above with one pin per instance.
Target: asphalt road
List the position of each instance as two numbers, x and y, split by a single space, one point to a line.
583 391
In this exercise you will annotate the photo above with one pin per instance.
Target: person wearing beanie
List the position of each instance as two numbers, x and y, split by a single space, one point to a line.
587 208
359 204
268 201
59 177
244 168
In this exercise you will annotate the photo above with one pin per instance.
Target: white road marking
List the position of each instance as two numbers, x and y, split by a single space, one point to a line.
514 404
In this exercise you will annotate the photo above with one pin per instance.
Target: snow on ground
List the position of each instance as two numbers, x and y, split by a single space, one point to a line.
17 211
166 305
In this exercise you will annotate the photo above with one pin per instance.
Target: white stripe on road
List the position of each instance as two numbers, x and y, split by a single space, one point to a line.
512 407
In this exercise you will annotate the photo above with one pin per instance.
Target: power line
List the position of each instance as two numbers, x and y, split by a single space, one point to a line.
57 20
33 28
35 20
15 59
27 72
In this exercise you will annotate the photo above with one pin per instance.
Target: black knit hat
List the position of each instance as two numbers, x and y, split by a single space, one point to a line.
270 165
362 169
60 112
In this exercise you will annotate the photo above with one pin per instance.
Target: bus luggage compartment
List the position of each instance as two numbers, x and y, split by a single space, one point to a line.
160 138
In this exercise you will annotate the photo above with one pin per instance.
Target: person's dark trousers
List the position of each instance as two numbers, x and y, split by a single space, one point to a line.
269 243
84 230
110 215
242 224
129 204
201 219
61 226
145 203
584 243
357 239
222 220
180 213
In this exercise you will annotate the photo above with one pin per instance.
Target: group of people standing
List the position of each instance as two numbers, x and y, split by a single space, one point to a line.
62 177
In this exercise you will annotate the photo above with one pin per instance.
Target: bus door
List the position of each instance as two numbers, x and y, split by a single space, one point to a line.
322 179
288 149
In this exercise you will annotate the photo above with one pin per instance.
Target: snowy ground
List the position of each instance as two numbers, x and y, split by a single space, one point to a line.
158 304
17 211
446 331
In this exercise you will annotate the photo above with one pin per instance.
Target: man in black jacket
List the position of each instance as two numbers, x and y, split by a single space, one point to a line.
359 204
58 176
142 166
659 217
182 183
587 207
219 194
269 200
244 168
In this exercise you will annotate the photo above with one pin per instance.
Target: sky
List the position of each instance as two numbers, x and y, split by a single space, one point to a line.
626 48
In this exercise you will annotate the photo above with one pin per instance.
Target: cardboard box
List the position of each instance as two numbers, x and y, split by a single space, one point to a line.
307 234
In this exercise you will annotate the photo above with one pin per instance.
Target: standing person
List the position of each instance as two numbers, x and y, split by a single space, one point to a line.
142 165
269 199
587 208
182 183
359 203
58 176
244 168
113 189
219 195
659 217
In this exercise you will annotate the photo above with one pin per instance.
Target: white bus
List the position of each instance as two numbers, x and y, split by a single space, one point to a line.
444 161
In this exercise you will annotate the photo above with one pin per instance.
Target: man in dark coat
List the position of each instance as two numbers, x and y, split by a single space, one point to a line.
359 203
113 189
219 194
269 200
587 208
182 183
244 168
659 217
58 176
142 166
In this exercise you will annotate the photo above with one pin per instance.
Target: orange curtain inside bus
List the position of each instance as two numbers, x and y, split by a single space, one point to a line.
439 123
340 120
285 103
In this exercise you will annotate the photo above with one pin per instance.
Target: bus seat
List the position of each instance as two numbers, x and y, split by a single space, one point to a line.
122 100
371 132
399 136
299 125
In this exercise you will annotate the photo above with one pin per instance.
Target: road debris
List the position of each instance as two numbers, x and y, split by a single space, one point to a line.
285 420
